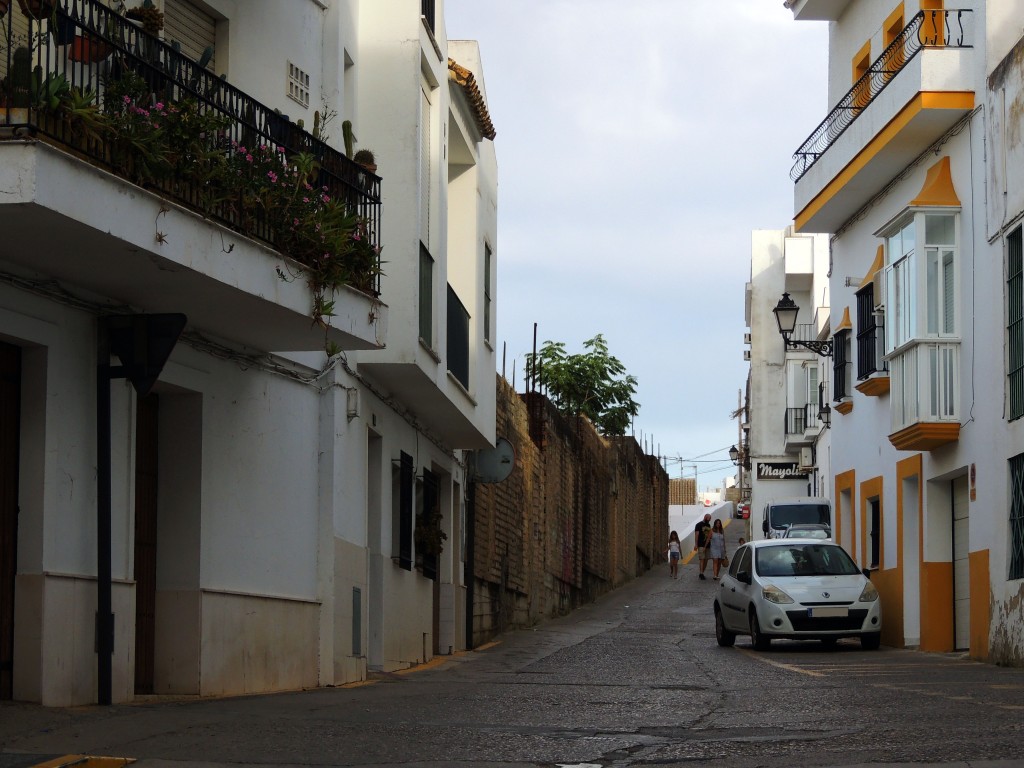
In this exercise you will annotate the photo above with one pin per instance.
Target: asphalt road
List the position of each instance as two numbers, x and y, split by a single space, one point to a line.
633 679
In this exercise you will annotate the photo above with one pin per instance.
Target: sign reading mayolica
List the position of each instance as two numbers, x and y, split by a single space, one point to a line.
773 470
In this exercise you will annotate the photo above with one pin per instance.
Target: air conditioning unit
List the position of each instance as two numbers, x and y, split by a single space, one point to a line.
746 355
746 338
806 458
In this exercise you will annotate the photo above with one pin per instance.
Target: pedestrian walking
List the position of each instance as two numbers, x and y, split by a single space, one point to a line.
675 550
701 533
716 547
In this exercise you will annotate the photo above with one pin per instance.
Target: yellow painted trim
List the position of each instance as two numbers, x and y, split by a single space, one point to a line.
876 386
844 324
846 481
922 101
861 62
844 407
981 611
873 270
937 606
925 435
893 26
938 187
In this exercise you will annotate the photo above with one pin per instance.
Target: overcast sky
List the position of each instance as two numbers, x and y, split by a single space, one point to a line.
638 146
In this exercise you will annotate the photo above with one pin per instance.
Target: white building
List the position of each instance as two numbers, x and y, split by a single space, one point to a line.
267 502
787 443
911 173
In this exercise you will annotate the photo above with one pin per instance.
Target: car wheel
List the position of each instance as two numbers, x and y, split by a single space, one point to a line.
870 641
757 638
724 636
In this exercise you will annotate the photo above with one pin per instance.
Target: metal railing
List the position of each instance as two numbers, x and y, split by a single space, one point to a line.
82 45
927 29
800 420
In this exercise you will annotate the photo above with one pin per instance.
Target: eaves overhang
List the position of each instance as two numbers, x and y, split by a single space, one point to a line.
817 10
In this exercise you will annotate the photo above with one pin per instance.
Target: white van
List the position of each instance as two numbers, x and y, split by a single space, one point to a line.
781 513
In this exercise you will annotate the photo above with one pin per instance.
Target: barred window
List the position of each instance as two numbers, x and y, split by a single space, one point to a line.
1015 324
1017 517
869 334
841 365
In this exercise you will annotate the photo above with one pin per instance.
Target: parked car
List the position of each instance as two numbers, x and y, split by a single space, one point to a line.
743 510
808 531
803 589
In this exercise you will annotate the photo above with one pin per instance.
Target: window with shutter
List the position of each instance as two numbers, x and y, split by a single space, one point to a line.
193 28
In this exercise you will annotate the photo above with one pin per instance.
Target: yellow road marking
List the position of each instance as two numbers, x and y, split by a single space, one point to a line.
780 665
85 761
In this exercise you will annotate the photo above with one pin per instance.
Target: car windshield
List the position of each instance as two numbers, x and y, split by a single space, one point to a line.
783 515
799 532
805 560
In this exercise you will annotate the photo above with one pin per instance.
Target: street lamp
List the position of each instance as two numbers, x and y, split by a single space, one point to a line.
825 415
785 316
734 455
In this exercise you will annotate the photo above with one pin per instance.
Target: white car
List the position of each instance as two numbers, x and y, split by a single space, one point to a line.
804 589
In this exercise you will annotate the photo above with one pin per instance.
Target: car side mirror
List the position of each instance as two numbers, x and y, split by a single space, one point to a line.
866 572
764 526
743 576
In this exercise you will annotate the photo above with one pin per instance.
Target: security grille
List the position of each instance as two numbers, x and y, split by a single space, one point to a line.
1017 517
1015 324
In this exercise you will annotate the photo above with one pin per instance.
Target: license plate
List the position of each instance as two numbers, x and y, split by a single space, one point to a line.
828 611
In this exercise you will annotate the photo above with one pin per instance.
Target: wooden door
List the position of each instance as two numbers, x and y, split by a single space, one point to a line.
145 541
10 415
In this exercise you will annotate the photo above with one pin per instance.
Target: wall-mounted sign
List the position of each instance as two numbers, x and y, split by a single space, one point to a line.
780 470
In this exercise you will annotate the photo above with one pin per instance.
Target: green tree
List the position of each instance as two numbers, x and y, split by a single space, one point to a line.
592 383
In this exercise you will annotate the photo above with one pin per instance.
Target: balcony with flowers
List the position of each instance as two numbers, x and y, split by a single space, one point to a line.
916 91
132 172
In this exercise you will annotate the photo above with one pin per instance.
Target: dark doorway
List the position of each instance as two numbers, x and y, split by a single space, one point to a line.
146 437
10 431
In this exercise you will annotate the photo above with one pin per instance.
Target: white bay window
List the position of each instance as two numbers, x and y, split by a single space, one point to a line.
921 317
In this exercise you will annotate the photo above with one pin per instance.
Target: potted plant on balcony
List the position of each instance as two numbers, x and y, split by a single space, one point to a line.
16 89
148 15
366 159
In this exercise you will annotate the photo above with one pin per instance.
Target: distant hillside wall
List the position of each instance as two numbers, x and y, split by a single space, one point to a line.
579 515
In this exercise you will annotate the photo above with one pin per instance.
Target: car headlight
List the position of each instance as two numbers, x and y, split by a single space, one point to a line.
869 594
773 594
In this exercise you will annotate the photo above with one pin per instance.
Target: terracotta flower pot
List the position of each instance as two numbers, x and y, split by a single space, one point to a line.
88 50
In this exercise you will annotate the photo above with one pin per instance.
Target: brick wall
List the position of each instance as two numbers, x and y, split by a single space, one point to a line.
579 515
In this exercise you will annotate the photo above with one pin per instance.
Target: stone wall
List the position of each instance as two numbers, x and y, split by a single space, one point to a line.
579 515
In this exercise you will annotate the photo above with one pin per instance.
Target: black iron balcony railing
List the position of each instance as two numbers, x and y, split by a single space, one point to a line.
58 69
927 29
428 12
799 420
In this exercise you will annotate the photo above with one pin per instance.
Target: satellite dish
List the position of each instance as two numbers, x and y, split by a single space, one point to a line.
492 465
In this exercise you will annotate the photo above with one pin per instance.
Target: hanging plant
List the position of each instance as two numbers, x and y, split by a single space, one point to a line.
428 536
37 9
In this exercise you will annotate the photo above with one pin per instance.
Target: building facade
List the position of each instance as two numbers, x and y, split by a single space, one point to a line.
277 517
787 443
911 173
